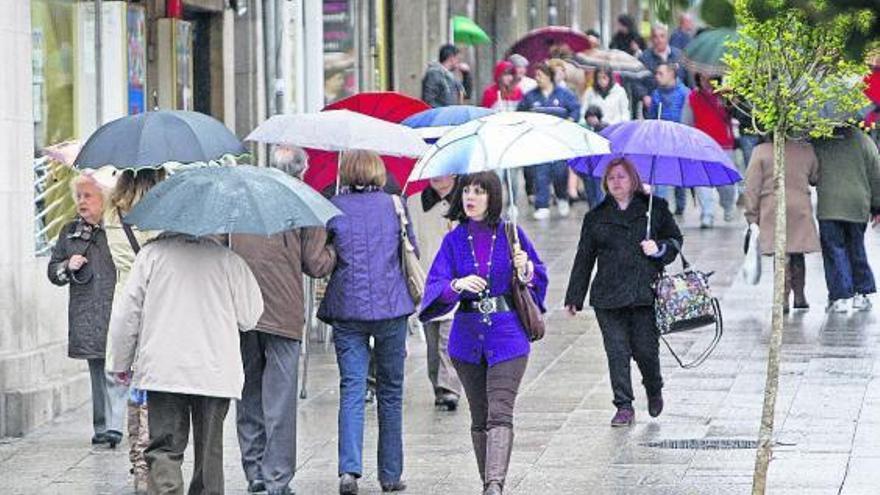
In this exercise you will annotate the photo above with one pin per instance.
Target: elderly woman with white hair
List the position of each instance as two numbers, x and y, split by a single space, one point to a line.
81 259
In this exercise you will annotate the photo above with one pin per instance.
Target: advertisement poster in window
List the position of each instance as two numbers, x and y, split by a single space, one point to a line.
340 74
137 59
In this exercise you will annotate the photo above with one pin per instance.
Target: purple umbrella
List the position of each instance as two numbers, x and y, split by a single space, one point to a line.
667 153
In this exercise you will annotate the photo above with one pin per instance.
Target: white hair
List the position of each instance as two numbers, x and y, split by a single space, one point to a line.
659 26
291 160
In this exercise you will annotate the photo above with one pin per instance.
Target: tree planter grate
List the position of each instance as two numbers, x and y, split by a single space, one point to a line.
704 444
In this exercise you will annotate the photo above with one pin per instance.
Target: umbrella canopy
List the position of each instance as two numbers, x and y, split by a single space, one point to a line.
435 122
538 45
231 200
507 140
466 31
703 54
617 60
386 105
665 153
339 130
152 139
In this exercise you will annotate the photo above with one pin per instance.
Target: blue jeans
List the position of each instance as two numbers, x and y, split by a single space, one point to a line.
847 272
678 197
592 189
351 340
707 201
555 173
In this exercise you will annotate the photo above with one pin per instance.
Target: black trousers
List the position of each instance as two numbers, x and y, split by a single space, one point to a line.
631 333
491 391
169 420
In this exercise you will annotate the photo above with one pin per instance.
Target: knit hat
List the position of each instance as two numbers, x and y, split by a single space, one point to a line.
518 60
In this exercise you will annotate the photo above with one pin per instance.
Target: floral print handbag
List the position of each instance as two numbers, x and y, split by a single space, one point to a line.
684 302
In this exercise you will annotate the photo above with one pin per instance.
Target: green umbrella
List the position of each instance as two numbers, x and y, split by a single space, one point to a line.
703 54
466 31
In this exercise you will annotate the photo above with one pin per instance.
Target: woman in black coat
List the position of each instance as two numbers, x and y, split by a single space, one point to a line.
613 234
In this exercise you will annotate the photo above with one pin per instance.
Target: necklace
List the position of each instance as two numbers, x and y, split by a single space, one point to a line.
484 296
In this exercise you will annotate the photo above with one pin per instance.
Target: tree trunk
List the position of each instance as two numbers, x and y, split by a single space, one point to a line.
765 436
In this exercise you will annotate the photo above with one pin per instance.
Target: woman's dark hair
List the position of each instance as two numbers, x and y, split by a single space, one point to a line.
545 68
629 22
489 182
608 72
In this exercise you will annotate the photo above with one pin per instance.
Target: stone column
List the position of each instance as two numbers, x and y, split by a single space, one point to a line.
37 381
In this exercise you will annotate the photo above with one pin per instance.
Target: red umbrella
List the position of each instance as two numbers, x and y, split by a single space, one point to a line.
386 105
389 106
541 44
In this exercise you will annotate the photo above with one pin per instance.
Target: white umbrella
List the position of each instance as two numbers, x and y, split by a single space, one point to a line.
339 130
507 140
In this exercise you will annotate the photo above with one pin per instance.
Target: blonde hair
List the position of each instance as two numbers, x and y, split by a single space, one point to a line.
362 169
630 170
131 187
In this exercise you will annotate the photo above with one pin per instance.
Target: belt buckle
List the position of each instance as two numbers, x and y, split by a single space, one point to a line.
487 306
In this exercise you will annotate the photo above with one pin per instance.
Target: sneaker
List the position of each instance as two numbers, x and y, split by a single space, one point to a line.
861 302
624 417
729 215
655 405
256 486
447 400
348 484
564 208
397 486
541 214
707 224
838 306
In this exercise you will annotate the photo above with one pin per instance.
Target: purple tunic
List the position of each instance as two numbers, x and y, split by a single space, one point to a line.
470 339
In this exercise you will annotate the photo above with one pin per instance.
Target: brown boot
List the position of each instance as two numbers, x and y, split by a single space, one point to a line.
798 282
499 444
478 438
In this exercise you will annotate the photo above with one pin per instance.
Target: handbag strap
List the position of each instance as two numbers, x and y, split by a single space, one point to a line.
719 331
677 245
401 215
132 240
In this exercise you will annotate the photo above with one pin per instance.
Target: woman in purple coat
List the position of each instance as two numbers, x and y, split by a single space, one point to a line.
488 344
367 297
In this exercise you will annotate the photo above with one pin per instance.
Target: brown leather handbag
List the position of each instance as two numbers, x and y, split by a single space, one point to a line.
526 308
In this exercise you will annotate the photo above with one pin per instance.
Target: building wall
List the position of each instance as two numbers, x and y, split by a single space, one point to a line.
37 380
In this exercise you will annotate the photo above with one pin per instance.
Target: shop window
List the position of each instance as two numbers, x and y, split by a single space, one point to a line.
340 50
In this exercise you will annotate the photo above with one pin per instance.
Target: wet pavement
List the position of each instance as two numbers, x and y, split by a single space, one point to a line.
828 413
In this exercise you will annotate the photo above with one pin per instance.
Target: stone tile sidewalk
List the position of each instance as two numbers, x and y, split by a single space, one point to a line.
828 414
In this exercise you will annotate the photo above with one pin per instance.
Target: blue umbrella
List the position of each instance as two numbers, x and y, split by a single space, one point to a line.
152 139
231 200
666 153
434 123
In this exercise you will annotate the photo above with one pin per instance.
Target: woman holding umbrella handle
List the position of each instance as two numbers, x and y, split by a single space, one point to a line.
488 345
622 296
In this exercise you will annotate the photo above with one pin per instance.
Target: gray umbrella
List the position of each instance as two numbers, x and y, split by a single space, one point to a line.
231 200
151 139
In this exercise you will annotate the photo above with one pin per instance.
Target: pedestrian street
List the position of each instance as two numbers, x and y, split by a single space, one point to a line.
828 412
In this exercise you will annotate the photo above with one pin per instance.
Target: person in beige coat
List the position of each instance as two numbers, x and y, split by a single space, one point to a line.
176 326
801 172
129 189
427 212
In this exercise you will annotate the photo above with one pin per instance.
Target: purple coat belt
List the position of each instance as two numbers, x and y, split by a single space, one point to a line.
471 340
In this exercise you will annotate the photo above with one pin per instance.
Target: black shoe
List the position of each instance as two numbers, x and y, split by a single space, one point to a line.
99 438
113 437
397 486
448 400
256 486
655 405
348 484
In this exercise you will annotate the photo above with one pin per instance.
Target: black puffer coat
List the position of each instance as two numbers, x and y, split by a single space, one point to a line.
91 288
612 237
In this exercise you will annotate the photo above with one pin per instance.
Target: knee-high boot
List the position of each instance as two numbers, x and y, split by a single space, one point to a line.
787 297
478 438
798 281
499 444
